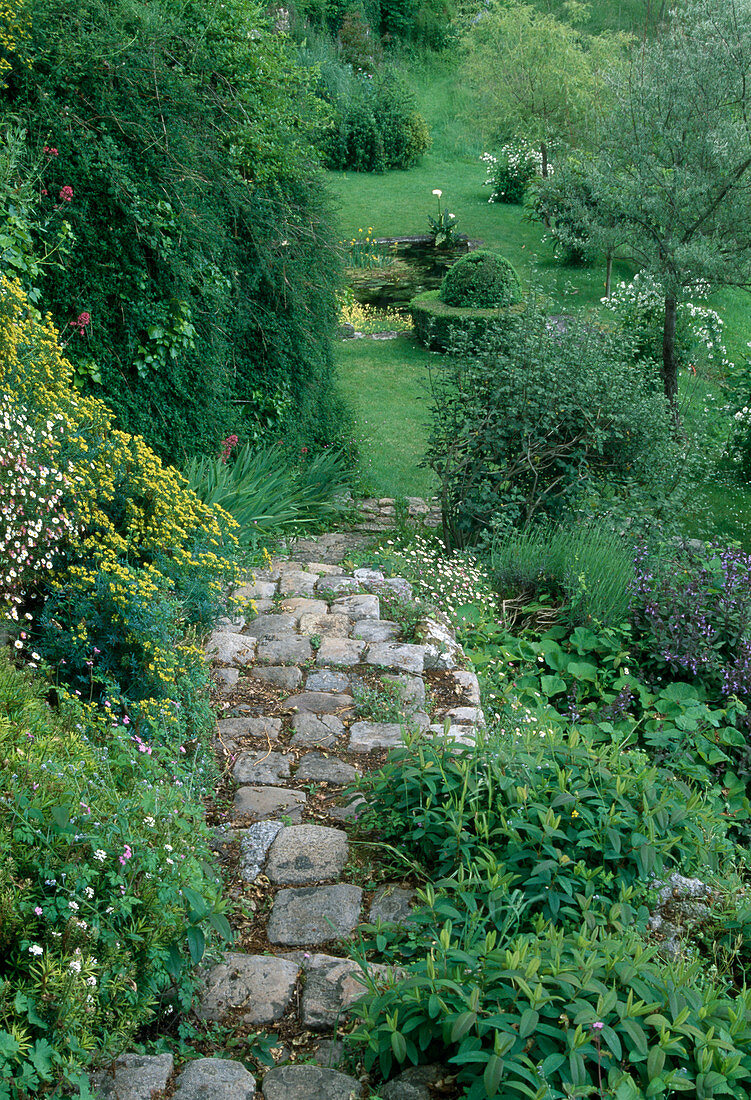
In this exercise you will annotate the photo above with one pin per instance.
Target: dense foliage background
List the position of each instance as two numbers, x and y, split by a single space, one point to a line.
173 138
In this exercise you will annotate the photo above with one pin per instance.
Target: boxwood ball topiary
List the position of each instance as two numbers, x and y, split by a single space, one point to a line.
481 280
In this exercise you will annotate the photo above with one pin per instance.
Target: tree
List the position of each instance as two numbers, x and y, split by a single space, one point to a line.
536 76
672 174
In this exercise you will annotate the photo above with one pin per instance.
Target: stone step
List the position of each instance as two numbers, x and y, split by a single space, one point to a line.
314 914
252 989
307 853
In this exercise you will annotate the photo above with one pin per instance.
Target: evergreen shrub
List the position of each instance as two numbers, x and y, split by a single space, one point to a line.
481 280
439 326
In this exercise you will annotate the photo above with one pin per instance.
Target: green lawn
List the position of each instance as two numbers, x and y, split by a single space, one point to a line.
385 383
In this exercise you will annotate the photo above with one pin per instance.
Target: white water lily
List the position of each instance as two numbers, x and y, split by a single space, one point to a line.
437 192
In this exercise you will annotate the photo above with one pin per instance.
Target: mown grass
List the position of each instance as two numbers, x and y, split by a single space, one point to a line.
392 409
385 383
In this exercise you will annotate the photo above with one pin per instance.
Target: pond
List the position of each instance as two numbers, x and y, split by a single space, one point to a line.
412 265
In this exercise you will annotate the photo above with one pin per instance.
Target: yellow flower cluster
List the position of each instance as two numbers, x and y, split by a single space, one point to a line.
157 514
15 24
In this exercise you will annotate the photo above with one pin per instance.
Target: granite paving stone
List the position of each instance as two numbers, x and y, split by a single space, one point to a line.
314 914
325 679
337 585
468 684
261 767
367 736
391 904
328 626
305 1082
254 844
307 853
302 605
320 702
261 590
231 649
465 716
268 802
284 676
326 769
298 584
316 731
226 678
271 626
285 651
134 1077
340 652
215 1079
232 731
376 630
231 624
357 607
331 985
256 987
411 688
401 655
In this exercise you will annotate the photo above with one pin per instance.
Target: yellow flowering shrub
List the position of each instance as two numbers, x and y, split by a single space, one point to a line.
15 23
148 564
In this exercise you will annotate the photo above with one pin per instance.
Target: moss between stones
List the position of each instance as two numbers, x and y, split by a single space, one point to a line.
437 324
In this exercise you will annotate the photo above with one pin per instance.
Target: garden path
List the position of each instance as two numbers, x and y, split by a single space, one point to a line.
292 674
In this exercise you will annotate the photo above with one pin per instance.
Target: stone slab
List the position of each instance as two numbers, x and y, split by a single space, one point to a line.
411 688
320 702
303 605
327 680
376 630
404 656
284 651
271 626
368 736
226 679
231 624
283 676
468 684
331 985
326 769
338 585
231 649
232 731
309 1083
357 607
268 802
307 853
391 904
261 768
327 626
215 1079
258 988
298 584
134 1076
340 652
314 914
316 731
254 844
261 590
464 716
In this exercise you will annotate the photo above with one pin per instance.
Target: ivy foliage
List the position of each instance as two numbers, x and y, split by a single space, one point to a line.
176 137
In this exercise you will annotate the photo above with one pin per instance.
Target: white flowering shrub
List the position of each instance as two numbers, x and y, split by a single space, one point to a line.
638 308
509 174
33 523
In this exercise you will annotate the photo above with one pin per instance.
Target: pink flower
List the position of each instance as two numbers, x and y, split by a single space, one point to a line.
66 194
598 1025
83 320
39 911
49 151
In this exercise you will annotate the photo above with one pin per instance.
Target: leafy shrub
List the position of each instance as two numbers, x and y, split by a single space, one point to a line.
481 280
265 493
106 886
376 126
575 827
200 233
520 429
589 567
554 1013
511 172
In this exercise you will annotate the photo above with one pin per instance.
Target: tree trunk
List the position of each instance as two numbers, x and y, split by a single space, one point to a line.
544 151
608 274
669 360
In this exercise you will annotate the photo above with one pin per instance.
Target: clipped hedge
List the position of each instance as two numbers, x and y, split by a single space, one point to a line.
438 325
481 280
